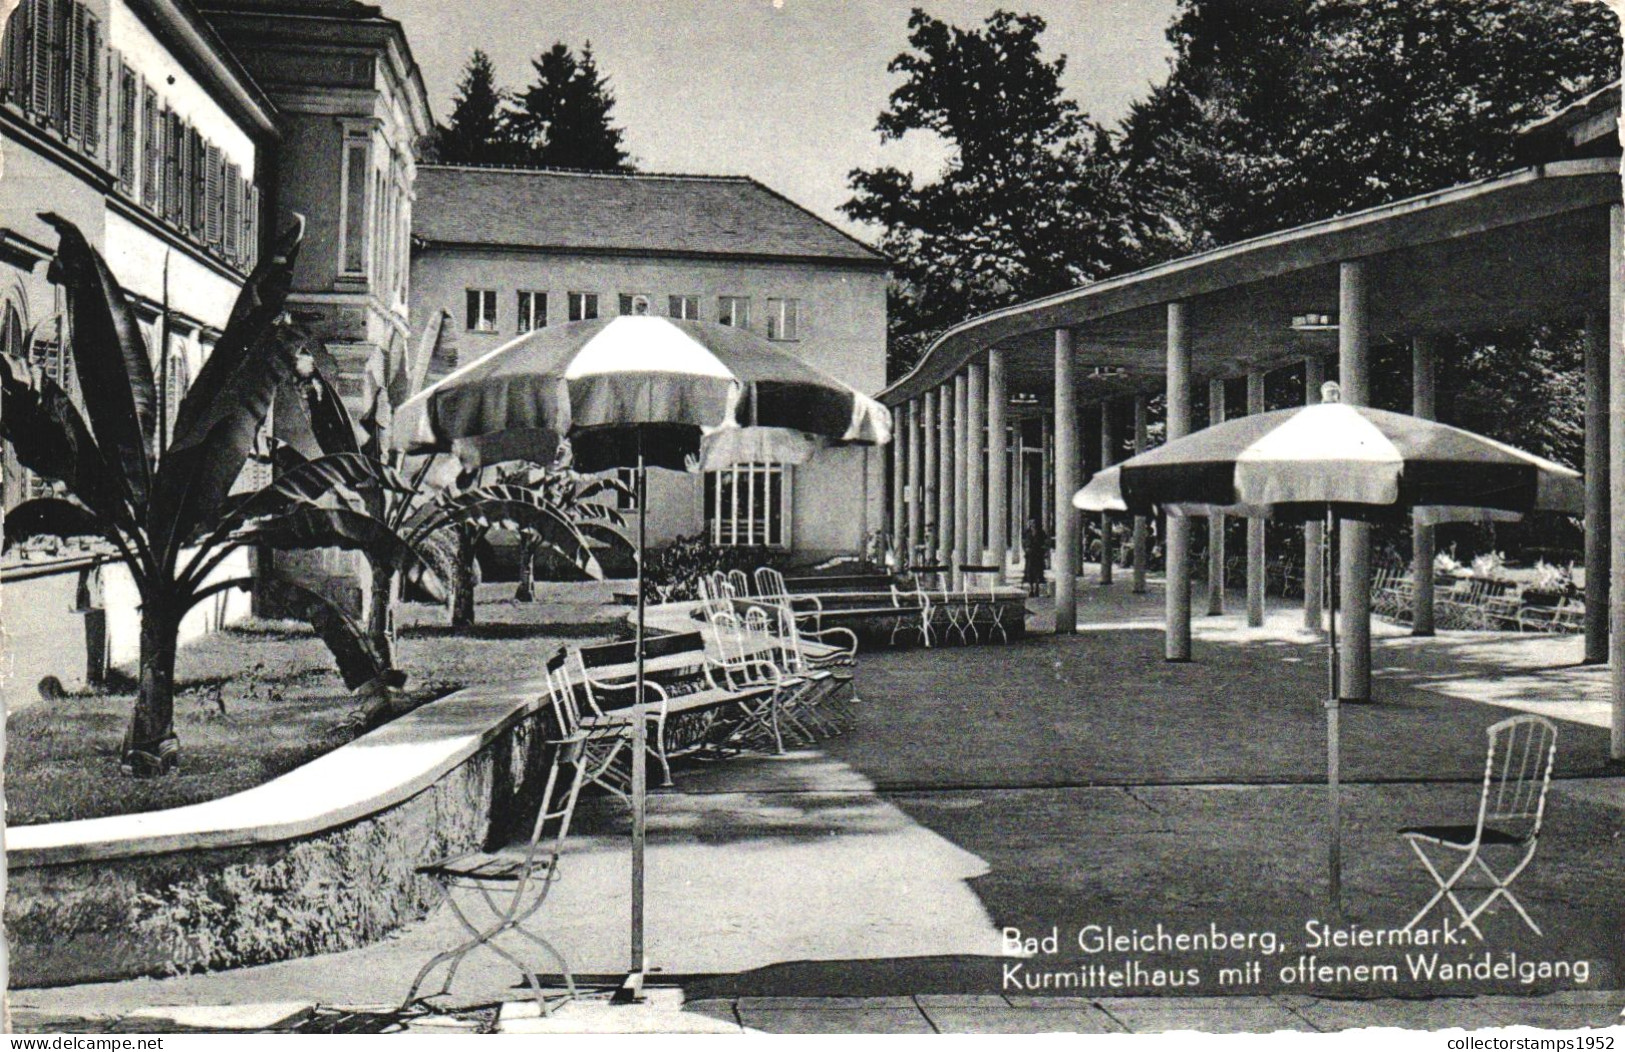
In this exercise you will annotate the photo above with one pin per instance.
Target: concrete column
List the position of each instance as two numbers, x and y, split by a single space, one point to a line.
1140 531
899 485
1314 533
1354 375
1215 520
930 531
1046 469
1596 484
945 473
1424 404
1255 526
1066 484
1616 475
1177 636
998 460
1108 554
916 480
961 546
976 446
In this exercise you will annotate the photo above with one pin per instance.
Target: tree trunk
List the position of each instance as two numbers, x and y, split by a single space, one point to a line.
526 592
462 585
150 745
381 611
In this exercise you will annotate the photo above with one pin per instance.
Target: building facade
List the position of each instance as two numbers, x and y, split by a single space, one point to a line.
352 109
128 118
501 251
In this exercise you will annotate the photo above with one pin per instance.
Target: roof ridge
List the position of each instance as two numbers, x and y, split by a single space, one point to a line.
585 173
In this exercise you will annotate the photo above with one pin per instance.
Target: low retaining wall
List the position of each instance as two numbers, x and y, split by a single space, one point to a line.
319 860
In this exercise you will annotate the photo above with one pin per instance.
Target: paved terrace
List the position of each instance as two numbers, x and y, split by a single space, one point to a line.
1056 784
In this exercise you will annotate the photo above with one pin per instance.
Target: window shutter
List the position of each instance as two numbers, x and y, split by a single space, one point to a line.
41 67
149 147
251 228
234 212
76 78
15 83
61 61
197 183
127 129
215 204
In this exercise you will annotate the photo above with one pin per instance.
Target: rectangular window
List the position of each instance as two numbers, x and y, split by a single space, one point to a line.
783 319
353 231
686 308
482 310
16 40
583 306
734 310
532 310
634 303
744 506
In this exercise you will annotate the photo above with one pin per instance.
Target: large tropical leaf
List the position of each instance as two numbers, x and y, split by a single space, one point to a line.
48 517
198 471
359 662
115 373
516 508
50 437
258 305
598 513
329 419
307 527
595 487
305 482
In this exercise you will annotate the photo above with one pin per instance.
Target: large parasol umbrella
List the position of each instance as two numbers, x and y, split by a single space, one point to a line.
1337 461
638 391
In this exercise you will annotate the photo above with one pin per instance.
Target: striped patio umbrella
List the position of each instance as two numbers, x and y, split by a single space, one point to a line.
1338 462
638 391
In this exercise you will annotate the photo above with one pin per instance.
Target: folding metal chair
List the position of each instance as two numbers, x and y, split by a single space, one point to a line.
983 609
596 716
741 583
737 665
913 606
512 887
770 585
1517 774
832 685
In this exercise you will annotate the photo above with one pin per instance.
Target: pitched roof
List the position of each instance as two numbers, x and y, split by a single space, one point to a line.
646 213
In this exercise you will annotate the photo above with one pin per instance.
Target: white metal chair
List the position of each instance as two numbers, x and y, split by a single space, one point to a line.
513 886
618 718
740 581
770 585
1517 774
980 585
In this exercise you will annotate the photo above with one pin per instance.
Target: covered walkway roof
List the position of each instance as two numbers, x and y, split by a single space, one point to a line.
1531 245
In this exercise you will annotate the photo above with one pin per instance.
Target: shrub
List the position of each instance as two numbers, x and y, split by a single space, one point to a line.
673 572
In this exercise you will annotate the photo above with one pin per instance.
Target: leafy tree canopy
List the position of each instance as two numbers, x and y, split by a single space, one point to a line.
1022 206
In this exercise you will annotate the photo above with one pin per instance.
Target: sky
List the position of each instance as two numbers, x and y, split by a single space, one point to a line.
786 91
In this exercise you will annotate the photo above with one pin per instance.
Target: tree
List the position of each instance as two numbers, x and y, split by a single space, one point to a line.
1025 202
478 131
572 495
1281 113
563 119
168 509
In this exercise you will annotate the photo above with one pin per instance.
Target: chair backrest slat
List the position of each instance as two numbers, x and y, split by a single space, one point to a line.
1518 769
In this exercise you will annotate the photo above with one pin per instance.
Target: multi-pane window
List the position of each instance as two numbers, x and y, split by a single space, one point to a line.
482 310
532 310
783 319
734 310
583 306
685 307
744 506
51 67
634 303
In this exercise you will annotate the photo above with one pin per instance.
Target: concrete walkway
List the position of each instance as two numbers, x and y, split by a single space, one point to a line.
867 885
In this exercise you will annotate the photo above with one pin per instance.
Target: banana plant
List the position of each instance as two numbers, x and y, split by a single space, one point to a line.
167 508
572 495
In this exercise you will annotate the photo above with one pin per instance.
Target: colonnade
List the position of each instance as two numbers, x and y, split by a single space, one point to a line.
963 472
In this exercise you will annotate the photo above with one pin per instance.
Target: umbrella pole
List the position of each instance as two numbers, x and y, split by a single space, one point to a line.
632 987
1334 842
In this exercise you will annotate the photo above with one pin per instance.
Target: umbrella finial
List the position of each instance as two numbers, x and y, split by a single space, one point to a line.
1331 392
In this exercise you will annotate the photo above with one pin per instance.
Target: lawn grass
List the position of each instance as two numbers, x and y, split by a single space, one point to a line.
259 699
